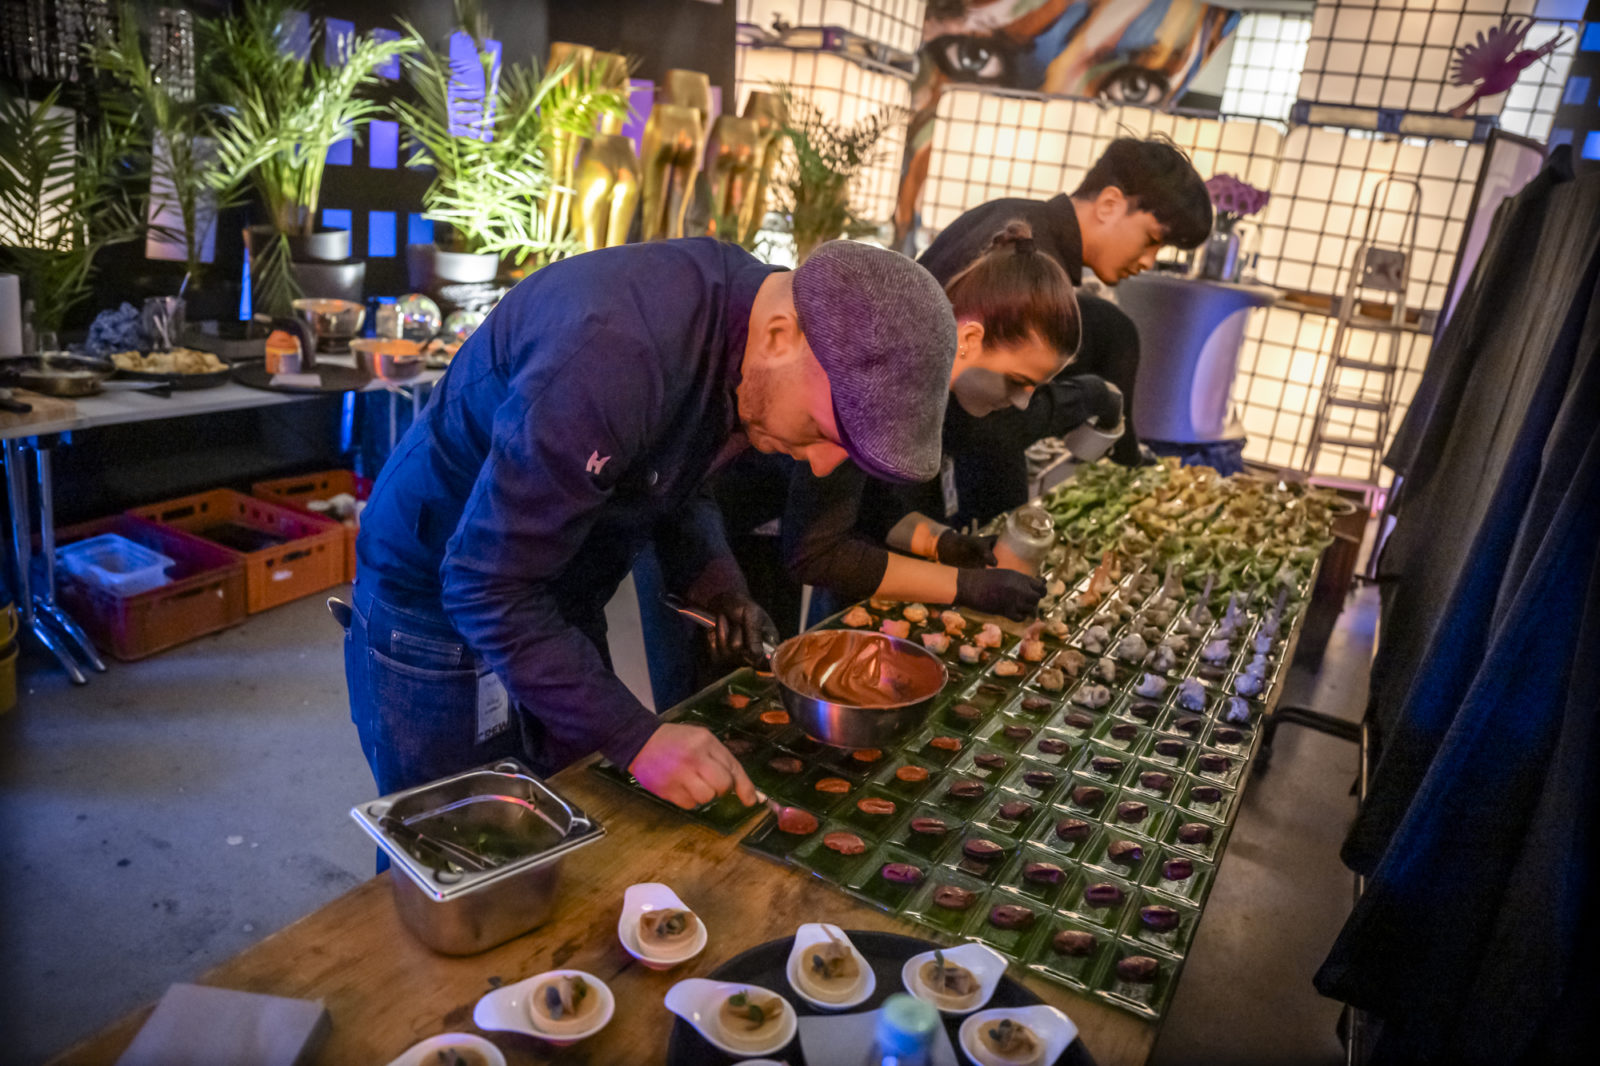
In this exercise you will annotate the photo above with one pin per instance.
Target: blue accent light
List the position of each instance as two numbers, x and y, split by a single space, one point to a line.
1591 145
380 234
469 89
342 153
294 35
338 35
419 230
383 144
336 218
244 288
1591 38
1577 91
391 68
1558 137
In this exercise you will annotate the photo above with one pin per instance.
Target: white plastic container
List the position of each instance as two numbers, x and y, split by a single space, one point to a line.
116 564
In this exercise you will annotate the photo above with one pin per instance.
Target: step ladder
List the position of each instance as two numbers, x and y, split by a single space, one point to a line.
1382 268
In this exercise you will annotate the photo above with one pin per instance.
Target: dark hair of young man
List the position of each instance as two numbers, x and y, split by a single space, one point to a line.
1156 177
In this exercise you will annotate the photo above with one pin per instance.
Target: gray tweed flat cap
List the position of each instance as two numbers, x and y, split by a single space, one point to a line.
882 329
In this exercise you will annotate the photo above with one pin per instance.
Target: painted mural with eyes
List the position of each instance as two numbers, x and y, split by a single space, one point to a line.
1142 52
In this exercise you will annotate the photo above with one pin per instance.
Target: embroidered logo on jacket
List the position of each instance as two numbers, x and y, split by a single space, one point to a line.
597 462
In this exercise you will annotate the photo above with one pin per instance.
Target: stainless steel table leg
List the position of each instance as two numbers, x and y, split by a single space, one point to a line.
22 544
45 599
394 423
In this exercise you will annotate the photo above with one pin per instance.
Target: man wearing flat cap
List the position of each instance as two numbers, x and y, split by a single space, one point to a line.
580 422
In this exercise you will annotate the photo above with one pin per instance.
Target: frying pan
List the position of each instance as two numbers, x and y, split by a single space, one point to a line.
55 373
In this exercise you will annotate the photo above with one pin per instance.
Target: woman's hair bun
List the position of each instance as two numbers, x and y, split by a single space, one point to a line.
1017 234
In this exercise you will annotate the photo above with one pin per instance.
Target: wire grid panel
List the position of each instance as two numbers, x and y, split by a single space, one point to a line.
1269 54
1320 202
1530 105
1397 53
1282 364
845 91
989 145
896 23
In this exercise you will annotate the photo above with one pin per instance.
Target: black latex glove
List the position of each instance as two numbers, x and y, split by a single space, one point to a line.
1003 592
958 549
742 628
1102 401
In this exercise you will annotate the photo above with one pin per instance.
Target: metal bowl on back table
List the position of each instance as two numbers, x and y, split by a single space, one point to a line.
908 677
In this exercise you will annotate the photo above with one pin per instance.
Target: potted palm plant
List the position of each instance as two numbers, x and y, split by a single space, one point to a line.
62 200
486 128
812 190
280 113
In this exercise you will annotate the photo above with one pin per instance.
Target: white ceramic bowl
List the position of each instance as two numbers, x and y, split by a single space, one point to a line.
697 1001
508 1009
986 964
639 899
1054 1030
811 934
423 1054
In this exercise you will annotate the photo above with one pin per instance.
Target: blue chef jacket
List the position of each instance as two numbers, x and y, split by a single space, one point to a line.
578 422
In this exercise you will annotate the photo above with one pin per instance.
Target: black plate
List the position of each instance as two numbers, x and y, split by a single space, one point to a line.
767 965
181 382
334 379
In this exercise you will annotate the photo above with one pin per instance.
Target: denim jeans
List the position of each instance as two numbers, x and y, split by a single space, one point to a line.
414 695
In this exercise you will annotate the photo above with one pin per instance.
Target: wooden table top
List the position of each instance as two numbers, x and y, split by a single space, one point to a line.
385 991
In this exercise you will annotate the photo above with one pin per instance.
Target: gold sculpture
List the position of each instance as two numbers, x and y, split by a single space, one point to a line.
670 155
564 146
607 180
770 115
733 165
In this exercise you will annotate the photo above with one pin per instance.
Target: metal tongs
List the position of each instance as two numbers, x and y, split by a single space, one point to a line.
432 848
700 618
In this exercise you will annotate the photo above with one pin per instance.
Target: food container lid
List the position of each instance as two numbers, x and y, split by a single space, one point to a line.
461 833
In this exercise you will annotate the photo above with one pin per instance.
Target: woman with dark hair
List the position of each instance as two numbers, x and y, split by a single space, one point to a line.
1017 326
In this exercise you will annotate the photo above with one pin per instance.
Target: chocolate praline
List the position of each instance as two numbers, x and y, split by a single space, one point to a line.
786 764
739 747
1230 737
930 826
966 788
1079 720
1132 811
875 806
1043 873
1194 833
1190 726
1015 810
1017 732
1214 764
1102 894
911 774
989 688
1145 712
1124 731
982 850
966 712
1177 869
1073 829
845 843
1088 795
1125 852
1035 704
902 873
1172 749
1039 779
1155 780
989 760
954 897
1140 969
945 743
1105 764
1054 746
1073 942
1011 916
1206 794
1160 918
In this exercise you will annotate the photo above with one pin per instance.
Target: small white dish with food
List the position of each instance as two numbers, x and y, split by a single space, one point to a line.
657 928
468 1049
740 1019
956 980
559 1006
1017 1036
827 971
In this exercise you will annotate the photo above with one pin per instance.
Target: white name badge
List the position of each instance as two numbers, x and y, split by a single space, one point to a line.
494 707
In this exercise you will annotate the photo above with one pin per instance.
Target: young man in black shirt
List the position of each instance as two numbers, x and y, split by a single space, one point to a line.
1140 195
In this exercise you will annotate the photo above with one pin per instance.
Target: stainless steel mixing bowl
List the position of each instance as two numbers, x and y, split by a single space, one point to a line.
917 674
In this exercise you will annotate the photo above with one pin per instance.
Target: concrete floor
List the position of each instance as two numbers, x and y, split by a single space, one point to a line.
175 811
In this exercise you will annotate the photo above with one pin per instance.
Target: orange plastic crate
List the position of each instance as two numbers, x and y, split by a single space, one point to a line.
206 593
298 491
310 558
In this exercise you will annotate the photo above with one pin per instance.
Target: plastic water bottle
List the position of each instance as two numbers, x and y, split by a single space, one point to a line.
906 1027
